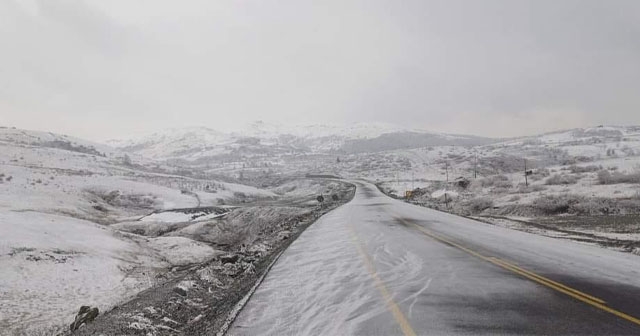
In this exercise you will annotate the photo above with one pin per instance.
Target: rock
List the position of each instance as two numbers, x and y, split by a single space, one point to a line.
259 249
196 319
85 315
209 274
231 269
284 235
249 268
218 283
180 291
183 287
229 258
206 274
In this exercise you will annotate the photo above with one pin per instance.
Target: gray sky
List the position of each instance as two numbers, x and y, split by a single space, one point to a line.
106 69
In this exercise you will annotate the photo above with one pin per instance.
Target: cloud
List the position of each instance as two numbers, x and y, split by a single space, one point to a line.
103 69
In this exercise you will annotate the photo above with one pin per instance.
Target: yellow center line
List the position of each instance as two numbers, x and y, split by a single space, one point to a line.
574 293
407 330
540 278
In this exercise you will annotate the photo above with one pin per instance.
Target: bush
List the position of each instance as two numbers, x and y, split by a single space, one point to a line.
579 205
595 206
239 194
584 169
494 180
479 204
537 188
503 184
524 189
537 177
117 199
563 179
501 190
606 177
543 172
631 205
554 204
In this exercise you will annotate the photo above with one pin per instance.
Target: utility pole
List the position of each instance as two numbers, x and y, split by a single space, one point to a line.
475 167
526 181
446 167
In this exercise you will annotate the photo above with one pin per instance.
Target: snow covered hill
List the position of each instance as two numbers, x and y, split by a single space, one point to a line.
587 171
59 199
259 138
380 151
20 137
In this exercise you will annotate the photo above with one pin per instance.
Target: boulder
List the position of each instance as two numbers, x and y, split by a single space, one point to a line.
85 315
229 258
180 291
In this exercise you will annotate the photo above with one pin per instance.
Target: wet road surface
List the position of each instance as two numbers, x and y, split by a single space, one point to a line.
378 266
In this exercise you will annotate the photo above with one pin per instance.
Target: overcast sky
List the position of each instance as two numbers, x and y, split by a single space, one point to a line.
115 68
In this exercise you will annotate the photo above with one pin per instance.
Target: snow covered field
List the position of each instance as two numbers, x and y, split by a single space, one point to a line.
59 199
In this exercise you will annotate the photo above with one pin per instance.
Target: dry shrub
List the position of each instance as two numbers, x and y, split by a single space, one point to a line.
606 177
555 204
584 169
495 180
479 204
523 189
562 179
580 205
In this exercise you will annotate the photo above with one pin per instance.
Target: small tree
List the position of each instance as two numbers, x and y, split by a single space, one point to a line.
320 199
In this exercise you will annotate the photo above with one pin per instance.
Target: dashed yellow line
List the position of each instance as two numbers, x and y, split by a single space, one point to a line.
407 330
576 294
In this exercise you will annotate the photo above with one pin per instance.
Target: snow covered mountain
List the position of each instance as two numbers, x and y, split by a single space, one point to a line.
582 144
260 138
20 137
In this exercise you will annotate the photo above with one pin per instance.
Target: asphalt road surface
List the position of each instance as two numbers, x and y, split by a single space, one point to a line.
378 266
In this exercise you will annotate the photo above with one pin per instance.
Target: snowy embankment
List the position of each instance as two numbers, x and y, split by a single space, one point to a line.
59 249
53 264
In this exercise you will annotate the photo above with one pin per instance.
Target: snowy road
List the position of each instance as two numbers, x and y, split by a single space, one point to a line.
378 266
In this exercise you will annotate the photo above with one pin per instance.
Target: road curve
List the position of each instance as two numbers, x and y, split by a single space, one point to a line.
378 266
